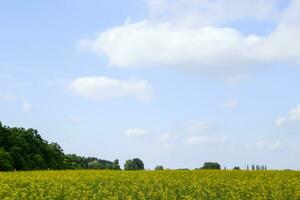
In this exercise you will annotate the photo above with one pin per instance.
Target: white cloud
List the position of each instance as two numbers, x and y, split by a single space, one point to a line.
26 107
146 44
207 48
271 146
136 132
103 88
231 104
204 140
293 119
198 133
280 122
275 146
199 127
295 114
167 137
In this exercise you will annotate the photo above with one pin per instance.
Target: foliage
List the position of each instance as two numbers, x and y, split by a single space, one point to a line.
72 161
159 167
211 165
156 185
25 149
134 164
116 165
5 160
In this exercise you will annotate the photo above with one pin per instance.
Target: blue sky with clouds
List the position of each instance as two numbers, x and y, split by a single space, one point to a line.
176 83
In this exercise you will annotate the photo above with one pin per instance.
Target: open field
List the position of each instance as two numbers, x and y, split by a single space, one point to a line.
201 184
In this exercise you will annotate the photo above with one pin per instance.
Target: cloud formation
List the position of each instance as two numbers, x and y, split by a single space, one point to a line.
291 120
104 88
167 137
205 140
208 48
271 146
199 127
136 132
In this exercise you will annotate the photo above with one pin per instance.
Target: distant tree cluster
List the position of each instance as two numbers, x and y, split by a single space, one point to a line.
25 149
72 161
211 165
134 164
159 167
257 167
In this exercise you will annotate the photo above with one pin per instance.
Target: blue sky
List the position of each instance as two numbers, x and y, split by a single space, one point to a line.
175 83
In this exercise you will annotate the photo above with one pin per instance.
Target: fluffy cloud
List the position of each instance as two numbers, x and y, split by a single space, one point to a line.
207 48
295 114
196 127
293 119
158 136
136 132
205 140
273 146
146 44
197 133
26 107
103 88
167 137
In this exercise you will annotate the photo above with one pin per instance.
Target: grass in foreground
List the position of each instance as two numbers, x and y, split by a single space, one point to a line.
109 185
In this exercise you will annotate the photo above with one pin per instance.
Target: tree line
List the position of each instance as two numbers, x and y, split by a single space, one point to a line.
25 149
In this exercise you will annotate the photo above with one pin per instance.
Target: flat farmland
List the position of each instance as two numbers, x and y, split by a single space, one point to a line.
154 185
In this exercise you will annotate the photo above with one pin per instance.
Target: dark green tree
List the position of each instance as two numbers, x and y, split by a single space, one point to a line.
28 151
116 165
25 149
72 161
5 161
159 167
128 165
94 165
134 164
211 165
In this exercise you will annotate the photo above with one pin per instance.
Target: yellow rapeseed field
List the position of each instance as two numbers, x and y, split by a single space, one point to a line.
154 185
